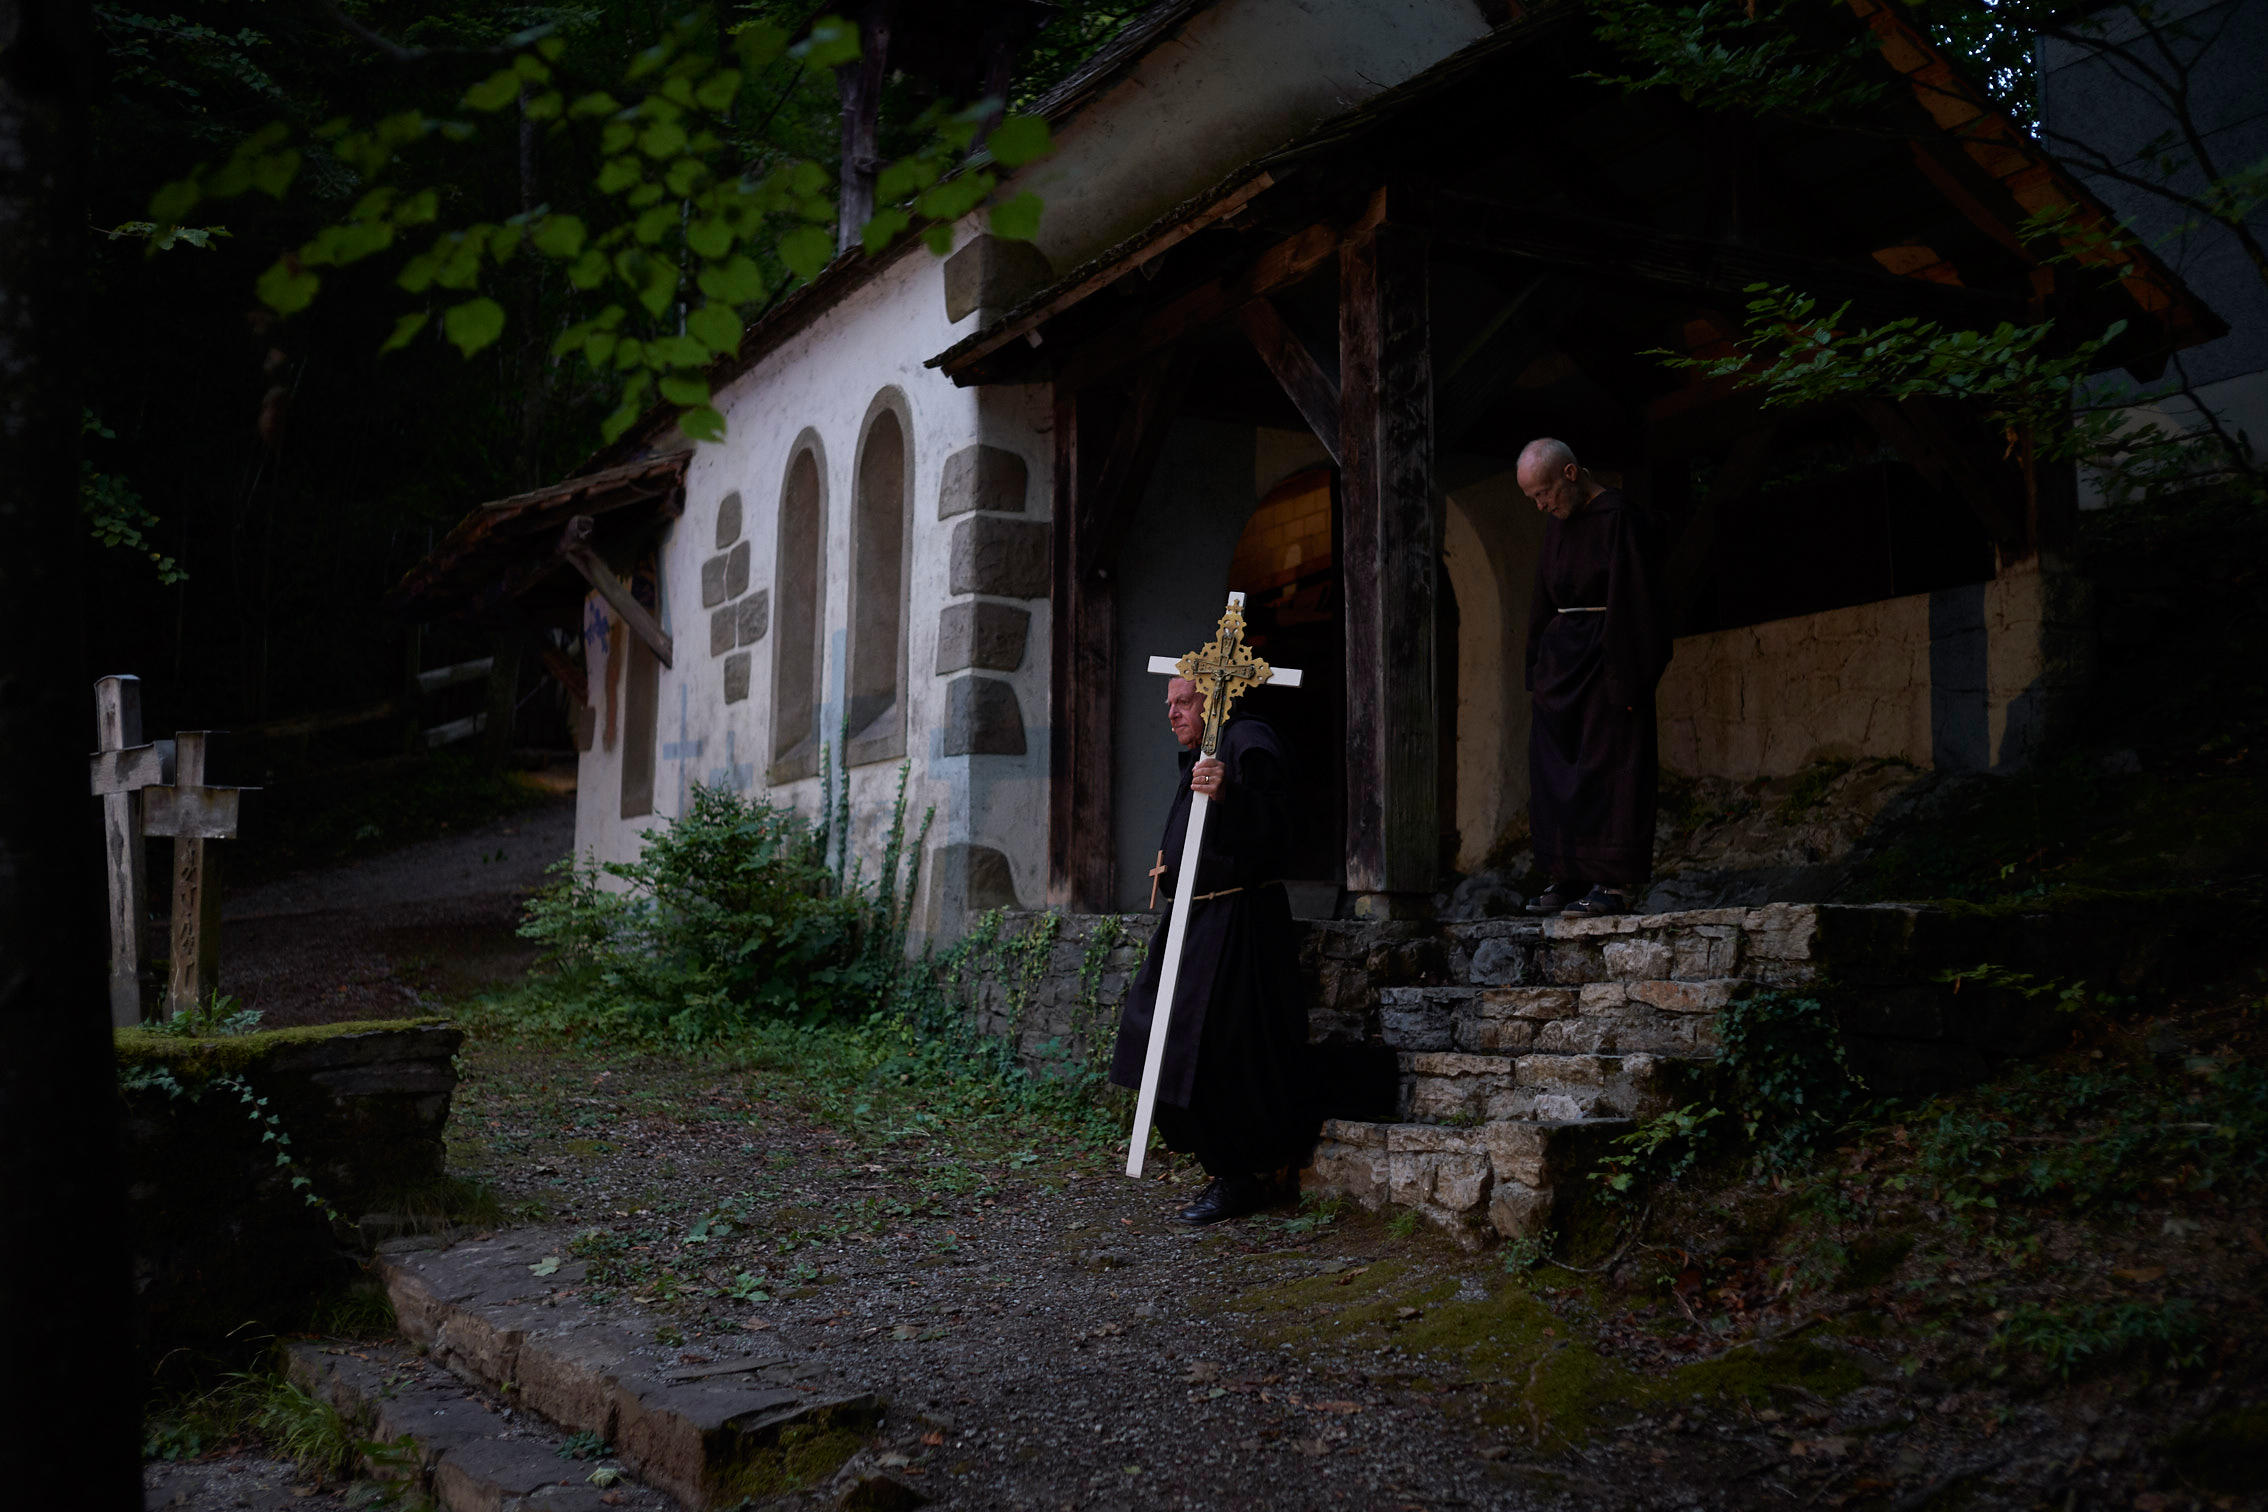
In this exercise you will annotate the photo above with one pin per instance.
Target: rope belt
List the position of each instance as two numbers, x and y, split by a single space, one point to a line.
1224 892
1586 609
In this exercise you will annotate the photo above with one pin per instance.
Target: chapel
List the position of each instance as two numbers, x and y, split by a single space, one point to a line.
1310 273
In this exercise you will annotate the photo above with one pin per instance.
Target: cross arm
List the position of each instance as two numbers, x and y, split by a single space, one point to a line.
1278 677
132 769
203 813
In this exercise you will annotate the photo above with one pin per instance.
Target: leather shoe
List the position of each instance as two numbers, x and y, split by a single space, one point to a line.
1225 1199
1552 899
1598 903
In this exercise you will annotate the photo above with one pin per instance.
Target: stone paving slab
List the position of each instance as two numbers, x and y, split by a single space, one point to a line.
427 1430
703 1434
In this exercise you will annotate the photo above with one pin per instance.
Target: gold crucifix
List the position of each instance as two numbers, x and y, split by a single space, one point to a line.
1224 670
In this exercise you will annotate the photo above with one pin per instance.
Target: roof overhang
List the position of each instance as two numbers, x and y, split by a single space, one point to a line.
504 563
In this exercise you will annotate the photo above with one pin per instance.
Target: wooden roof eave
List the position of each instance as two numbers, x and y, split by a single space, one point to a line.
506 550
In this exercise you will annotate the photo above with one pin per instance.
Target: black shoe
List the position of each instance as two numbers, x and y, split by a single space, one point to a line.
1598 903
1225 1199
1203 1201
1552 899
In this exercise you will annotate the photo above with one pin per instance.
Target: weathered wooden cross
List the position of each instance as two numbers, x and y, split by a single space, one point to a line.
683 748
1224 670
192 813
123 767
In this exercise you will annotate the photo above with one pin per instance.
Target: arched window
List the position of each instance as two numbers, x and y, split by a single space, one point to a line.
880 511
799 591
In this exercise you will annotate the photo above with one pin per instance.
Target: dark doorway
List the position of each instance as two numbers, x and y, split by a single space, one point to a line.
1287 567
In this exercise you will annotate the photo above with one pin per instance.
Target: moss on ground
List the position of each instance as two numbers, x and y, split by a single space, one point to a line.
801 1454
234 1054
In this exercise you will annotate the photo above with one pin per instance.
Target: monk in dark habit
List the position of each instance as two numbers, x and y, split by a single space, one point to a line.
1598 640
1233 1089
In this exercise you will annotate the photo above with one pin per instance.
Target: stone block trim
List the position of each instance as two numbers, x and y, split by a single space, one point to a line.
983 477
713 582
736 677
978 634
728 519
724 630
755 616
982 718
1002 557
993 273
736 571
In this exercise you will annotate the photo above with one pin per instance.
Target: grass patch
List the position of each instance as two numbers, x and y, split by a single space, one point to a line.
255 1407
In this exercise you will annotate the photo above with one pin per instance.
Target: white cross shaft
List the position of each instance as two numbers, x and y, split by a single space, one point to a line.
1177 927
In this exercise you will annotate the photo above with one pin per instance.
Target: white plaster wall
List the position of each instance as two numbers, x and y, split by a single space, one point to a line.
825 380
1965 678
1241 79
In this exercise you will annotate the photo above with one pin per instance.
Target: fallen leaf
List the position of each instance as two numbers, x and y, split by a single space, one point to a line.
1334 1406
1313 1446
1201 1372
905 1331
1347 1276
548 1265
2140 1275
934 1438
604 1476
1405 1313
755 1325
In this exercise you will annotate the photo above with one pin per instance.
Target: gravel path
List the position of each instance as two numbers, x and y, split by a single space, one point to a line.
378 939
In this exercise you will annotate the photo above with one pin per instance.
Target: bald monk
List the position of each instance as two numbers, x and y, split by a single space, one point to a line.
1598 639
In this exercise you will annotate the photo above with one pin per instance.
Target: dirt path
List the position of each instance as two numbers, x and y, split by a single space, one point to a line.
381 938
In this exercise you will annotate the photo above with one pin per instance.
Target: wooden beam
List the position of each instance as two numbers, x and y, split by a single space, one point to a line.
575 548
1137 335
1310 389
1499 353
1390 555
1082 677
122 767
964 361
565 672
1626 254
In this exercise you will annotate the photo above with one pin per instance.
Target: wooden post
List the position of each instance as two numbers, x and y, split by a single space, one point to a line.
1082 676
123 766
192 814
1392 551
575 547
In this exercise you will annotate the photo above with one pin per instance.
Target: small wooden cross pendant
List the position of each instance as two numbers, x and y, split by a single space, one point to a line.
1156 872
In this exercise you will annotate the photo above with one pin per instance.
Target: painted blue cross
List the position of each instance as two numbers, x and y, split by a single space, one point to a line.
733 774
681 750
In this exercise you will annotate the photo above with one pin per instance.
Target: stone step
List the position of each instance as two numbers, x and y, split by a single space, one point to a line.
1658 1017
1777 944
426 1432
1506 1178
709 1433
1459 1088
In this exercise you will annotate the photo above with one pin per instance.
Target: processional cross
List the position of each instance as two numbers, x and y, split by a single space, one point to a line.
1224 670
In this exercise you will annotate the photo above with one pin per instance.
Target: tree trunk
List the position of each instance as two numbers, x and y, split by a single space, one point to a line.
67 1369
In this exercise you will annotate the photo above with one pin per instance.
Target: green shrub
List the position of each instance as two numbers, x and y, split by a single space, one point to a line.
1784 1072
731 914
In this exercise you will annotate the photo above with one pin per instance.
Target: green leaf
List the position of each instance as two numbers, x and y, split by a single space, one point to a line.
832 43
590 269
758 43
716 327
679 389
703 423
171 204
717 90
656 222
1018 140
675 351
597 103
619 174
559 236
738 282
473 324
806 250
287 289
273 172
1017 219
545 106
955 197
662 139
710 237
495 92
419 209
599 348
417 274
547 1266
629 354
685 176
938 238
659 285
881 228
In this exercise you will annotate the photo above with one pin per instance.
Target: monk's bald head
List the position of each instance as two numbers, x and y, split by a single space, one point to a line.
1185 711
1551 477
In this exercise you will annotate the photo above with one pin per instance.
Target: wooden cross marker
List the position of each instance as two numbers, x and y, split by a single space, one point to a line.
1224 670
682 749
123 767
1156 872
193 813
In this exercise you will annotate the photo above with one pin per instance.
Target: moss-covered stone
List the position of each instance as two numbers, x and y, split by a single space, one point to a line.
236 1054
